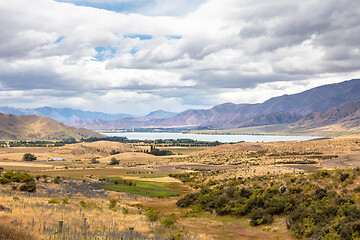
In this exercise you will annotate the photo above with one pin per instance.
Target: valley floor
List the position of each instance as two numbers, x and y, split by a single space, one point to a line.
145 188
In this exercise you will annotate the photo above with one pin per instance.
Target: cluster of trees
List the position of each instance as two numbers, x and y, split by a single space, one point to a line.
164 142
28 181
157 152
119 181
68 140
312 210
29 157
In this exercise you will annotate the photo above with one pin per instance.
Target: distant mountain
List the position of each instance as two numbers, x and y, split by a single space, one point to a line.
161 114
28 127
62 114
346 116
278 110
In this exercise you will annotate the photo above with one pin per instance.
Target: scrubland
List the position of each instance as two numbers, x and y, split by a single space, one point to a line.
277 190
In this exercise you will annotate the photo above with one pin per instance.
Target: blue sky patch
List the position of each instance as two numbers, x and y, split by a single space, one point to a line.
115 6
174 37
134 51
105 53
141 36
147 7
59 39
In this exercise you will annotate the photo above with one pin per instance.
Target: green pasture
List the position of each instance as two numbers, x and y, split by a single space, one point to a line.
146 188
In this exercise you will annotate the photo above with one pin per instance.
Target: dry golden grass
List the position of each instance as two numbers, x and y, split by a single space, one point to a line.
252 154
24 164
243 159
78 151
37 215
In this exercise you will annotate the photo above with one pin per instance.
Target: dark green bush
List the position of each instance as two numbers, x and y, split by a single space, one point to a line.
28 187
114 161
28 157
259 216
313 211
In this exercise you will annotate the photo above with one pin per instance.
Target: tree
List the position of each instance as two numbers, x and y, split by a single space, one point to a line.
28 157
95 161
114 161
69 139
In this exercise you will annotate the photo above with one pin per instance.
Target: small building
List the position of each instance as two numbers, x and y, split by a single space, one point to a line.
57 159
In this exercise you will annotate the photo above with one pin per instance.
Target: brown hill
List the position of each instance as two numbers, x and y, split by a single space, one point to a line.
33 127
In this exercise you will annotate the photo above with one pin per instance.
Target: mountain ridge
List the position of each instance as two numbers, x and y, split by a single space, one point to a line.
286 109
62 114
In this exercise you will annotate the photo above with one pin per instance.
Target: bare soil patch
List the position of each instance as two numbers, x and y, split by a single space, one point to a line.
350 160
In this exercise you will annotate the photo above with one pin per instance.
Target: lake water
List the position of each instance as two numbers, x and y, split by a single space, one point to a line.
208 137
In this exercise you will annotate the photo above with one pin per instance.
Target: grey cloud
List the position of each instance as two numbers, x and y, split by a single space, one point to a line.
253 31
250 43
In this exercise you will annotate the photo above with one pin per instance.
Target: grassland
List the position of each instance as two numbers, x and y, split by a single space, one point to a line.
285 129
154 193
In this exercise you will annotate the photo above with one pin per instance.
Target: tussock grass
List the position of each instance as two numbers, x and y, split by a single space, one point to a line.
9 232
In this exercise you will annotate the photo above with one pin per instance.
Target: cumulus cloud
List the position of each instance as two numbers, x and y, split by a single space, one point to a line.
138 56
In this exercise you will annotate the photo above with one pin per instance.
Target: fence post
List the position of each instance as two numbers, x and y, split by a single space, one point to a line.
84 227
131 234
60 226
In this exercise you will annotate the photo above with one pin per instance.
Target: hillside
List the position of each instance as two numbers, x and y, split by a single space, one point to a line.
285 109
34 127
346 115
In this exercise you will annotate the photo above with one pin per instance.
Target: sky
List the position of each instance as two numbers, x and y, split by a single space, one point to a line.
137 56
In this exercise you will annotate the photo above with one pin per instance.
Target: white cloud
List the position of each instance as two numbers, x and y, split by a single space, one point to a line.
206 53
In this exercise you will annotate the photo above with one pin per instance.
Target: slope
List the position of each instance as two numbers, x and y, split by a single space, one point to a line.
35 127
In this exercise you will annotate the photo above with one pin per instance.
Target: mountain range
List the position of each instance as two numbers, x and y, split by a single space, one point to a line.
302 109
332 104
69 114
62 114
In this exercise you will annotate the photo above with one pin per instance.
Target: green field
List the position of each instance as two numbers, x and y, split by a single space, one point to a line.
145 188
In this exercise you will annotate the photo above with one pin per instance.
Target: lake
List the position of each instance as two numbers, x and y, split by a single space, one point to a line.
208 137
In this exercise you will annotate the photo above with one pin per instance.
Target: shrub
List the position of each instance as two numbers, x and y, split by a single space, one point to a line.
114 161
113 203
88 204
28 157
95 161
152 215
4 180
57 179
169 221
344 176
19 177
28 187
259 216
187 200
125 210
113 152
54 201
